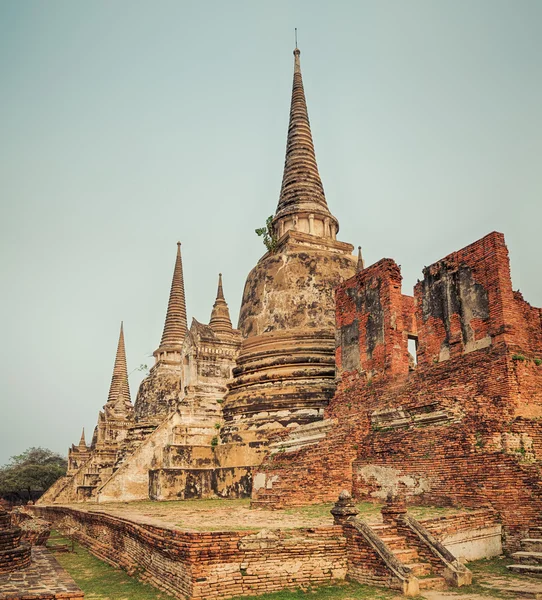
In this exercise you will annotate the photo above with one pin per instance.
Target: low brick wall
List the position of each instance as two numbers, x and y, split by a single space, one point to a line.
208 565
470 536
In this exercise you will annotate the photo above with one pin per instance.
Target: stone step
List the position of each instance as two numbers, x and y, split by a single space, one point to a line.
433 583
419 569
528 558
382 527
535 570
394 542
408 555
531 544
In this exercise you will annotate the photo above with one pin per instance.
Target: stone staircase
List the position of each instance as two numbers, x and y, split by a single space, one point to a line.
136 435
529 558
408 556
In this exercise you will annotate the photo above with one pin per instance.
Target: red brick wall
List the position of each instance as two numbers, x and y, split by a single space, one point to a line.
370 313
528 331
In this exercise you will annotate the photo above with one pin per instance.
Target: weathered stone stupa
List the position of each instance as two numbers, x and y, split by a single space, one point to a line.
89 468
159 391
285 370
203 416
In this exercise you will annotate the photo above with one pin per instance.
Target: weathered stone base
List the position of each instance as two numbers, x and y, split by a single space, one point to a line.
181 484
44 579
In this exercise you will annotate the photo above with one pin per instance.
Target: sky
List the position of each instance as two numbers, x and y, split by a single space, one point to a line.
126 126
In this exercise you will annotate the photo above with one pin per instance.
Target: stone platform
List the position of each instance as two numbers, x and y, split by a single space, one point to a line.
229 551
44 579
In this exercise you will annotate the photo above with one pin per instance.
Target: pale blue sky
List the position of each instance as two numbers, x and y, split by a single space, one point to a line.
126 126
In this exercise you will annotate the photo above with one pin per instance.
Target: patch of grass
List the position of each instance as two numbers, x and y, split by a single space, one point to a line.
491 566
343 590
99 580
165 505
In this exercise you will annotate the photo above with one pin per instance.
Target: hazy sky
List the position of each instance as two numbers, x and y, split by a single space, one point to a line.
126 126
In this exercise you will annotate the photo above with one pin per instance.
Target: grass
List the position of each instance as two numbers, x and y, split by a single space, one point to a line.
368 510
346 590
99 580
184 504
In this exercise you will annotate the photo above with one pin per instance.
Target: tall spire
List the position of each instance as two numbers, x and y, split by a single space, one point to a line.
119 388
220 321
302 192
175 326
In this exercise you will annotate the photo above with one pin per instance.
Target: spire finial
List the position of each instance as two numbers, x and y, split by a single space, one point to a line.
220 291
361 263
295 38
175 326
119 381
220 321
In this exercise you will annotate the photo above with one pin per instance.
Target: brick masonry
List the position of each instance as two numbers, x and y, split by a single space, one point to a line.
462 427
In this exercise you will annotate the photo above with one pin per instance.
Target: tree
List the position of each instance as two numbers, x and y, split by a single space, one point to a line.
34 470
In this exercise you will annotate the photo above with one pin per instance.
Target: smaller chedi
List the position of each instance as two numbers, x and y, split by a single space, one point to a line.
13 554
170 433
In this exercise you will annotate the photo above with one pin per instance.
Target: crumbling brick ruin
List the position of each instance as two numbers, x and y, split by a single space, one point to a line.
462 427
13 554
316 392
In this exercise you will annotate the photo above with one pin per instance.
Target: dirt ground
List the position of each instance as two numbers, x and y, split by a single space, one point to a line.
233 515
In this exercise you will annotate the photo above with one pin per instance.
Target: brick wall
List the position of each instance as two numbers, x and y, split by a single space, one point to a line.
371 312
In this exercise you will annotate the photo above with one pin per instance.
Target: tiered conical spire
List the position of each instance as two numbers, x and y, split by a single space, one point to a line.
82 441
302 189
119 391
220 321
175 327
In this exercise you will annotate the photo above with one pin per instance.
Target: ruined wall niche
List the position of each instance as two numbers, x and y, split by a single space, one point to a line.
465 302
374 322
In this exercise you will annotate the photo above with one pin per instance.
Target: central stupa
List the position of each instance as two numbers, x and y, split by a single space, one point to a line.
285 370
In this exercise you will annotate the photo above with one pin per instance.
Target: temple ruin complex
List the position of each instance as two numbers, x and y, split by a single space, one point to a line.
316 392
